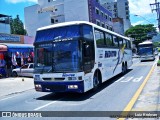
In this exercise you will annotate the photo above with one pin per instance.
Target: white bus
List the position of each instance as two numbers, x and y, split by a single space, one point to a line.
146 51
78 56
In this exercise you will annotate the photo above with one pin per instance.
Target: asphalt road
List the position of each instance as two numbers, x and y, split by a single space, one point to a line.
113 95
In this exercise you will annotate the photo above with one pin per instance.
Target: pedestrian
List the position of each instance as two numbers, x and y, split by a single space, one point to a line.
2 68
9 68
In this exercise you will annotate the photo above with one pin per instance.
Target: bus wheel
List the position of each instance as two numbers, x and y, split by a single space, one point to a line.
96 81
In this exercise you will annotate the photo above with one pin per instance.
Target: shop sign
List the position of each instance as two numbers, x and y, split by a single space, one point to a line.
9 38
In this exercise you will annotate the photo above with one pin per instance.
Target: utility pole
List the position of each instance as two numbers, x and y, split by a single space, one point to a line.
156 7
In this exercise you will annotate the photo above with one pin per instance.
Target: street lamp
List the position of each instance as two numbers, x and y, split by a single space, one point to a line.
143 18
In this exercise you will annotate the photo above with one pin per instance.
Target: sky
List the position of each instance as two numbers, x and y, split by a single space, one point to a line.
141 8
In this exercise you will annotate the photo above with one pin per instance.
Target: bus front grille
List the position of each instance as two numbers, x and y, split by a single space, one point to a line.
53 79
55 87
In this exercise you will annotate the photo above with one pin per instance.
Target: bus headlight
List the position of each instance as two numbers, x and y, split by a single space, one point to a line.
38 87
37 78
72 86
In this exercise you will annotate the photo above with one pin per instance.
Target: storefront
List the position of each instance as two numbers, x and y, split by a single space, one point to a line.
14 55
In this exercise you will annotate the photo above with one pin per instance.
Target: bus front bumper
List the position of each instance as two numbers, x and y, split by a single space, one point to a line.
147 58
67 86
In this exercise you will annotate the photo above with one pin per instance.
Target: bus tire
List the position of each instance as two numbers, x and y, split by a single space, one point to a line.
96 80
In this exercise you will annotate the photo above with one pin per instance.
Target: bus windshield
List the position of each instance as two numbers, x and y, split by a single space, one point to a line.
58 57
145 51
61 54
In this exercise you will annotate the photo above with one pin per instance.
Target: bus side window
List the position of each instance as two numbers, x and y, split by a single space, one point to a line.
108 39
115 41
99 37
124 43
87 32
120 42
128 44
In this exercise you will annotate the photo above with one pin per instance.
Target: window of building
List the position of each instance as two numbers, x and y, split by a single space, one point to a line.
110 28
102 25
56 9
115 41
127 17
110 19
97 11
107 26
115 15
52 21
126 8
108 39
56 20
98 22
106 16
102 14
127 13
99 37
126 3
97 1
115 5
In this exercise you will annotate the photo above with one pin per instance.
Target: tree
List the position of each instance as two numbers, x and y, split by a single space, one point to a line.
141 32
17 26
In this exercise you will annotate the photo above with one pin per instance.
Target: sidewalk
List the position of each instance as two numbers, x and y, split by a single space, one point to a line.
14 85
149 99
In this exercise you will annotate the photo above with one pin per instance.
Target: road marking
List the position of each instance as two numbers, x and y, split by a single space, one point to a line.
127 80
120 79
130 79
137 79
7 98
45 105
136 95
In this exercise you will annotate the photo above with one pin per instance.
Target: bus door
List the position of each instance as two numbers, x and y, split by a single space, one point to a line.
88 50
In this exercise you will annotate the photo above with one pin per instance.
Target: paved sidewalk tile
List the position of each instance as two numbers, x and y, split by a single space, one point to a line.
13 85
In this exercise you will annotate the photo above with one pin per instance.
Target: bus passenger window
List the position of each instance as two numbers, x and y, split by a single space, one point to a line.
124 43
108 39
128 44
99 37
120 42
115 41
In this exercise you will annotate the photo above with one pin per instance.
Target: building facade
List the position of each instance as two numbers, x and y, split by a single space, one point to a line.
48 12
123 12
118 25
120 9
4 24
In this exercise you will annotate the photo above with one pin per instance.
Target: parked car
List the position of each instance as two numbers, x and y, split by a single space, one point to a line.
25 70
